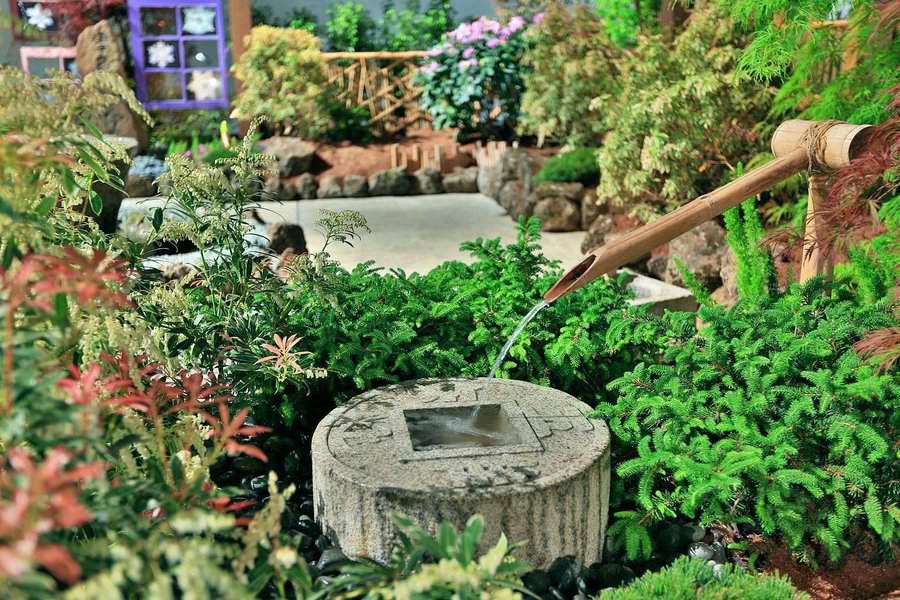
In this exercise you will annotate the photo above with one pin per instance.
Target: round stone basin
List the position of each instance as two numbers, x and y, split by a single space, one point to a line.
522 455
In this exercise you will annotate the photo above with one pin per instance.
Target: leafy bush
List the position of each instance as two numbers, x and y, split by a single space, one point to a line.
720 430
183 125
443 567
283 78
474 80
623 21
348 124
350 28
692 579
579 165
412 28
571 60
303 19
683 115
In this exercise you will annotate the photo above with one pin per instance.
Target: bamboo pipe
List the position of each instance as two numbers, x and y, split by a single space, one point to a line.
832 146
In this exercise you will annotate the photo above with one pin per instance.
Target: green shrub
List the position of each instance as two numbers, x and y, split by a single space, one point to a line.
623 22
350 28
413 28
765 416
579 165
445 566
474 80
683 115
571 60
692 579
348 124
283 79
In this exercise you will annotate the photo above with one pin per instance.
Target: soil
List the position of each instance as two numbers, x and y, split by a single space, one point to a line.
852 579
345 158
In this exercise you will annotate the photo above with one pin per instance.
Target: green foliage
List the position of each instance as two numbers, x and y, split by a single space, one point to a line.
413 28
350 28
692 579
623 21
348 124
473 81
571 60
305 20
182 125
874 265
765 416
811 60
683 115
755 271
283 79
578 165
445 566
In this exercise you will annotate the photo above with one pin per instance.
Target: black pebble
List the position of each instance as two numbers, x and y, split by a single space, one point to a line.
670 540
565 571
307 508
537 582
306 525
553 594
613 575
305 542
323 543
331 561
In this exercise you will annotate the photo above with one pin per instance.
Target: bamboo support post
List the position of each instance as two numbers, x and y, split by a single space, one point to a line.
796 144
395 156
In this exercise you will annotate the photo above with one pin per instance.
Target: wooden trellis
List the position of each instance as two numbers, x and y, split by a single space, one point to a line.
382 82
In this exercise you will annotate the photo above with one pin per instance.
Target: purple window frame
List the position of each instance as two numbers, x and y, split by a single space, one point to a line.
141 71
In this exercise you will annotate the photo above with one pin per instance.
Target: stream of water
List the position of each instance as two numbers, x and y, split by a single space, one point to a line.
515 334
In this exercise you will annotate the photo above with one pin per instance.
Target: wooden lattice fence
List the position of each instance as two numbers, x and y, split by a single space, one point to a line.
381 82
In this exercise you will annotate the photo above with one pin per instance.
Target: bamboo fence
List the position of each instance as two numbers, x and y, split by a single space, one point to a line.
381 82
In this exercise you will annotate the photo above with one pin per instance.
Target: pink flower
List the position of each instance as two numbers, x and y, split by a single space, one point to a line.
468 52
516 23
436 51
465 64
537 18
494 42
429 68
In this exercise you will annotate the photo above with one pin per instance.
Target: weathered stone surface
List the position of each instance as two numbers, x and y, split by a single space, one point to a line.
99 48
597 232
728 293
462 181
283 236
428 181
544 478
558 214
294 156
276 188
306 187
660 296
569 191
355 186
702 250
174 271
590 210
111 199
330 187
393 182
514 199
139 186
657 265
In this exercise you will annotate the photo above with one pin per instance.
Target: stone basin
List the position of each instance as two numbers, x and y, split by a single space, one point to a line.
524 456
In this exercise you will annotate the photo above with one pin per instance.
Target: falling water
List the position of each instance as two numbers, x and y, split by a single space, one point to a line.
515 334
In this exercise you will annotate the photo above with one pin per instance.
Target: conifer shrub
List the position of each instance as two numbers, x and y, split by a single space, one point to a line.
575 166
571 61
765 416
693 579
283 79
683 115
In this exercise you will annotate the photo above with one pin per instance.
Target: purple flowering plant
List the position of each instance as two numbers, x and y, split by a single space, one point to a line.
473 80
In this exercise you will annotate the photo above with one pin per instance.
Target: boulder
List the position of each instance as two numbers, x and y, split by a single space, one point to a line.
568 191
590 210
330 187
99 48
305 187
276 188
428 181
286 235
355 186
515 201
558 214
392 182
294 156
596 233
702 250
139 185
657 265
462 181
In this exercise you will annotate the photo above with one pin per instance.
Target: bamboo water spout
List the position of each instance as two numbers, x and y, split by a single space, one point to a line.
819 146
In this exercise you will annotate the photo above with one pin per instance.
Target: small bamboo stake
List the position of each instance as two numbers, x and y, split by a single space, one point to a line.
395 156
438 163
814 261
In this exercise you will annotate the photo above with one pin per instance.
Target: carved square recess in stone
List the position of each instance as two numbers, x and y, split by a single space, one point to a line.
481 426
